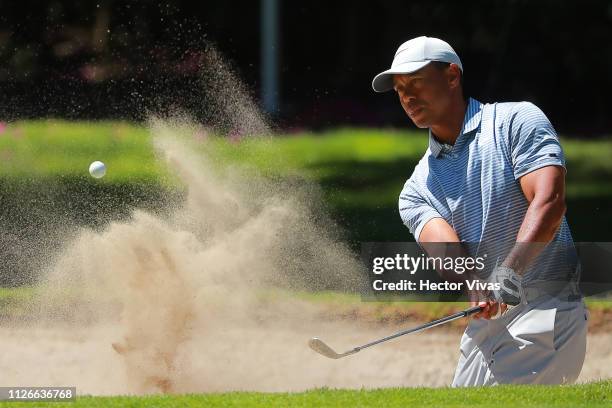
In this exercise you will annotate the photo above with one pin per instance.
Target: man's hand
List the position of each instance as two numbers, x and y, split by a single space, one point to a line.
483 298
490 309
510 286
498 302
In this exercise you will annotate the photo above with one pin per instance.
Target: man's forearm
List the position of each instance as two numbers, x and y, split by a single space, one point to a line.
539 226
439 239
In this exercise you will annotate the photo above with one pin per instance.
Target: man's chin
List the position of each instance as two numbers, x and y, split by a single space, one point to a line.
421 124
420 121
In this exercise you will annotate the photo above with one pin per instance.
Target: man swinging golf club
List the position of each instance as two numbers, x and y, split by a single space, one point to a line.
494 174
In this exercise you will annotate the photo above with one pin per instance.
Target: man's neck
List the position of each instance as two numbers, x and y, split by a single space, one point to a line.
448 130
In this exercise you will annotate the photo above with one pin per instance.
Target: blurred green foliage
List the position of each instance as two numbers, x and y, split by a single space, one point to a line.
360 171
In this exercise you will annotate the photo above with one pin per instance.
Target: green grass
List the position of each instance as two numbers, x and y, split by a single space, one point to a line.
44 148
586 395
50 148
361 171
14 301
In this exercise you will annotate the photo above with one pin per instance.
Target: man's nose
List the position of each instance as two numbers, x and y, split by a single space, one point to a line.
406 98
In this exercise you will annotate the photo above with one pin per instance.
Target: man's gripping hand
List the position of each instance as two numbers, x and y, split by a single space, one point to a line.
497 302
510 292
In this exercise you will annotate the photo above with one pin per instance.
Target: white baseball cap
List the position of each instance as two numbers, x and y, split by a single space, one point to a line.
413 55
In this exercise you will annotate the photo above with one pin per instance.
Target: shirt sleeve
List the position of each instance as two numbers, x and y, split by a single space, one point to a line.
533 141
414 209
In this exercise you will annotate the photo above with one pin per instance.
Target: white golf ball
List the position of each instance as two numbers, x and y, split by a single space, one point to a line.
97 169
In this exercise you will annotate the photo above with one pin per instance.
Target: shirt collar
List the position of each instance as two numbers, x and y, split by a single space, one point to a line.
471 122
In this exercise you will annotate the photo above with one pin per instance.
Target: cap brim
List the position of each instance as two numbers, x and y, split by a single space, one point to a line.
383 82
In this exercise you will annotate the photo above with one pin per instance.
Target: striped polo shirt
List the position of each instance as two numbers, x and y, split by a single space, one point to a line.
474 184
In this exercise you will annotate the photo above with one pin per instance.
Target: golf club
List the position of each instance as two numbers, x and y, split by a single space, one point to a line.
322 348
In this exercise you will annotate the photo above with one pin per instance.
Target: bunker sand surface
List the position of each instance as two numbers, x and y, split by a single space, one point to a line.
264 356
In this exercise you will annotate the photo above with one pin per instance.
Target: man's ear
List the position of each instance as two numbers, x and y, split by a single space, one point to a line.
454 75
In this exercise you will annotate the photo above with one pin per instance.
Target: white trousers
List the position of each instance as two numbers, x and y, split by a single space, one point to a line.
543 342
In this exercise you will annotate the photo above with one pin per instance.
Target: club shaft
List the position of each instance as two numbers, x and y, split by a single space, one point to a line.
450 318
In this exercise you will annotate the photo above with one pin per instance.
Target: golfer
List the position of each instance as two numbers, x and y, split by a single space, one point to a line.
494 174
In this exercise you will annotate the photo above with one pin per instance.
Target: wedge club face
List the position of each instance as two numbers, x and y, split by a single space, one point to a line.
320 347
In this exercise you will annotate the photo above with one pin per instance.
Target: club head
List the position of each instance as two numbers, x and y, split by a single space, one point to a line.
320 347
